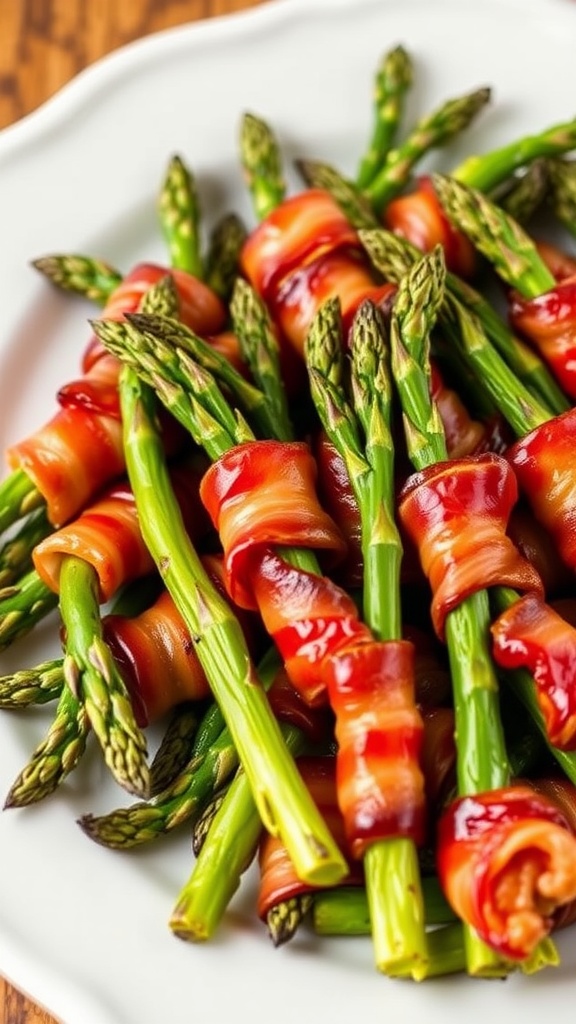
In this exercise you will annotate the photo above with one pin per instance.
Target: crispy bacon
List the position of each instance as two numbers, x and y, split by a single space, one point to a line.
259 497
107 536
418 217
303 253
530 634
549 322
543 463
79 450
507 861
456 512
379 733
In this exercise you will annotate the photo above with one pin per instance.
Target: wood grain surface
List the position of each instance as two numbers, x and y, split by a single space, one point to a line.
43 44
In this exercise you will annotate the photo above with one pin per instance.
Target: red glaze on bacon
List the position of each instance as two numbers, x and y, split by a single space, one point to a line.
419 218
278 879
507 861
107 536
260 497
79 450
260 494
303 253
456 512
543 463
530 634
379 732
549 323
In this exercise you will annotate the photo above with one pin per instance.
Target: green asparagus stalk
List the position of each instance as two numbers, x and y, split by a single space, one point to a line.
234 833
434 130
360 429
482 762
252 324
38 685
261 163
56 756
393 79
284 803
91 278
524 195
179 213
18 497
166 354
393 257
562 194
510 250
211 761
22 606
16 552
346 911
223 256
484 172
174 749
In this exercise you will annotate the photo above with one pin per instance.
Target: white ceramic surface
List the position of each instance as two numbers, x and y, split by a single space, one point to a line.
82 929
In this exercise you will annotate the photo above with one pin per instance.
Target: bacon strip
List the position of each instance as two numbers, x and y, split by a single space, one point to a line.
456 512
549 322
543 463
506 862
79 450
419 218
106 535
530 634
379 732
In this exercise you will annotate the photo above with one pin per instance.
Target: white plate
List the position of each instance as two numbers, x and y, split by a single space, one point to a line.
82 929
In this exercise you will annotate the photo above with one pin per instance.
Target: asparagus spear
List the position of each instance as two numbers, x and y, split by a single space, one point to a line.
174 749
484 172
346 911
360 430
83 275
259 348
16 552
393 257
523 196
393 79
56 756
432 131
222 258
261 165
283 802
39 685
494 233
22 606
18 496
562 195
354 205
482 762
179 213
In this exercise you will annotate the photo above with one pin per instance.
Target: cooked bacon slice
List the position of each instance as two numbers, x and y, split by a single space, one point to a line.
507 861
343 274
530 634
464 435
418 217
278 879
543 463
549 322
260 494
79 450
106 535
297 231
559 262
456 512
379 732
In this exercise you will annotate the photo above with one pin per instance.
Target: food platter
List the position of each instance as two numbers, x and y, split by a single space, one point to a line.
84 930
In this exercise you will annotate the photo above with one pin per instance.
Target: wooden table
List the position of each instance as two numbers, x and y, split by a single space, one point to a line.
43 45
